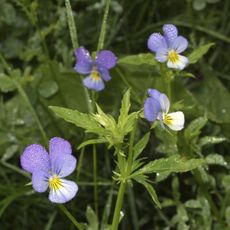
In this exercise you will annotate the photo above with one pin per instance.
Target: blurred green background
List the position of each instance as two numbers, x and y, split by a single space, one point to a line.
35 42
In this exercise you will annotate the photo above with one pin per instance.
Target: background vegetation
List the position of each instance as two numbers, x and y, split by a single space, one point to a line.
36 45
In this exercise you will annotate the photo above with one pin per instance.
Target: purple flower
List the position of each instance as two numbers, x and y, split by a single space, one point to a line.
169 47
97 70
157 106
48 170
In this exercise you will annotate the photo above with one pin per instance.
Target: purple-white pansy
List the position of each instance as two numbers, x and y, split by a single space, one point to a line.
169 46
97 70
48 170
157 106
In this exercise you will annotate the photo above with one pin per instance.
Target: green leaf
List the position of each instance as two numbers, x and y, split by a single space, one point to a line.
199 53
139 59
175 163
226 182
92 219
81 120
194 128
192 204
214 97
125 106
150 190
227 215
211 140
6 84
140 145
48 88
91 142
216 159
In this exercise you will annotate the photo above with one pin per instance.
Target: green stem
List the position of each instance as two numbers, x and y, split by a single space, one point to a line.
70 216
119 202
123 182
80 163
137 99
75 45
26 99
30 107
71 24
167 78
103 27
130 156
95 179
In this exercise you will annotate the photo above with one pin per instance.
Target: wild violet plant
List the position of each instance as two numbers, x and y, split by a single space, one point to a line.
117 133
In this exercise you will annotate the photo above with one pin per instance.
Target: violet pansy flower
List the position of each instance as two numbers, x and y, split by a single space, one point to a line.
48 170
97 70
157 106
169 47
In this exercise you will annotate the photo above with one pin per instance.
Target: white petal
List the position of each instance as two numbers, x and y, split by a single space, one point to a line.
164 102
67 192
180 64
174 121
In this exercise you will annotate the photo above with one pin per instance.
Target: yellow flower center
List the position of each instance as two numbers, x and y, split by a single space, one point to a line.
95 75
55 182
167 120
173 56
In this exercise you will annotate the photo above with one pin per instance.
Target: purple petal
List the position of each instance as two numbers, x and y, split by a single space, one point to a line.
58 146
91 83
151 109
63 165
83 67
180 44
164 102
35 158
104 73
82 54
84 62
67 192
156 41
170 33
40 181
154 94
162 55
106 59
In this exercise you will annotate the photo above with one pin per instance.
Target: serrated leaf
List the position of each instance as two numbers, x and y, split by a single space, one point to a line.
211 140
216 159
175 163
199 53
125 106
81 120
150 190
139 59
140 145
92 219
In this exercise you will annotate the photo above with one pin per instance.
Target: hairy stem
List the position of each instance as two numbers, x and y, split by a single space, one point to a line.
103 27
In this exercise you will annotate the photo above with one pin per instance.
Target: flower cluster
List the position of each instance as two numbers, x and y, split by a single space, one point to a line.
48 170
169 47
97 70
157 107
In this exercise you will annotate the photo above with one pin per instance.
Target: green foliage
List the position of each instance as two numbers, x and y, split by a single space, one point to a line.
199 53
38 40
171 164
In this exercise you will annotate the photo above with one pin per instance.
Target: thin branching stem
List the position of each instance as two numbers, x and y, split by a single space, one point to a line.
70 216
